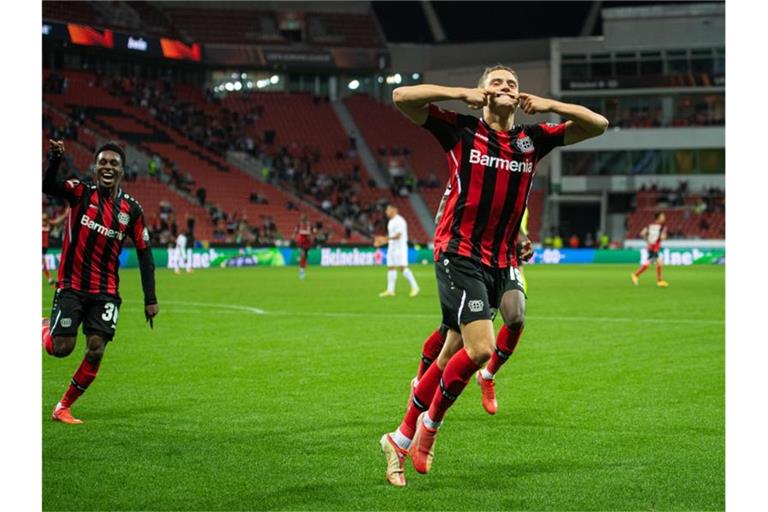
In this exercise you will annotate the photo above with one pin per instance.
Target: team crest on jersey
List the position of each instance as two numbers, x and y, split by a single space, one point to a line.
525 144
123 218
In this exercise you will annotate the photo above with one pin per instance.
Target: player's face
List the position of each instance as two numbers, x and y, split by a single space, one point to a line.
503 88
109 169
662 218
391 212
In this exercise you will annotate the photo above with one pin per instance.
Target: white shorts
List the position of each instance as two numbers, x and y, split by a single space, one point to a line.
397 258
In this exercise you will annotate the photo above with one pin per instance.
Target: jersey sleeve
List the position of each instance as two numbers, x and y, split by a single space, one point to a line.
546 137
138 231
444 125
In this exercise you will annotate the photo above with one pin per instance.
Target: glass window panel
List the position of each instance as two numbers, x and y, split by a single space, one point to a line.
602 69
683 161
626 68
575 71
651 67
712 161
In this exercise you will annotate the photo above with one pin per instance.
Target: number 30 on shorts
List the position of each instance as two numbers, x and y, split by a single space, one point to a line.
514 273
110 313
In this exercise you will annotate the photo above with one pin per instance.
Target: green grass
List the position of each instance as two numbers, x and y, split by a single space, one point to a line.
614 399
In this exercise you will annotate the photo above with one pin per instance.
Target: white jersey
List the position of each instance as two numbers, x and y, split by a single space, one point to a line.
181 242
183 259
654 233
397 250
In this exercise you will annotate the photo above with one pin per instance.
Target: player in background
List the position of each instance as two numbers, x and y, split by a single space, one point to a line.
101 217
491 163
183 255
303 236
47 225
653 233
397 252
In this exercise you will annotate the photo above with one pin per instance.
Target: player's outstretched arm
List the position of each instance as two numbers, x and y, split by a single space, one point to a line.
413 100
582 123
51 183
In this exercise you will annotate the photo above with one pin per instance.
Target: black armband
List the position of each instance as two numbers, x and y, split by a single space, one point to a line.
147 269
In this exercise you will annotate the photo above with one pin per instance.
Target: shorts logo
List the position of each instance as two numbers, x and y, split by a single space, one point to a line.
123 218
475 306
525 144
66 322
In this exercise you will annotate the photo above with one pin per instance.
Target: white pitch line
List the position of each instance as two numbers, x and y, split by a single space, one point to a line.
352 314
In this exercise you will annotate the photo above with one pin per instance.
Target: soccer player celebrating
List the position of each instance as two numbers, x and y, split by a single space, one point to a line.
303 236
101 217
397 252
47 224
653 233
491 163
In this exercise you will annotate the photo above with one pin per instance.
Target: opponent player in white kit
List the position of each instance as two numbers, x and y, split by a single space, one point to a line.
183 259
397 252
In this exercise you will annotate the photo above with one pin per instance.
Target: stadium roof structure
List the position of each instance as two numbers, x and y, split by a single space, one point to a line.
484 21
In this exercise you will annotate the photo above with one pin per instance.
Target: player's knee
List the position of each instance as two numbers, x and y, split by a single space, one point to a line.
96 347
515 320
513 313
480 354
63 346
481 350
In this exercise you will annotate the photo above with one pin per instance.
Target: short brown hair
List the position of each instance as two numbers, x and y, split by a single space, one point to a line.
491 69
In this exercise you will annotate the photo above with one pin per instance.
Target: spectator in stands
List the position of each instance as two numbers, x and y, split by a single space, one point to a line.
432 181
201 193
557 242
588 240
573 241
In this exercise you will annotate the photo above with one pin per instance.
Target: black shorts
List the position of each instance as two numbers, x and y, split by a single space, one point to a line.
97 312
471 291
653 255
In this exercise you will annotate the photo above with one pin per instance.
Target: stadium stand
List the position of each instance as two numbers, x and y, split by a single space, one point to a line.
227 187
73 12
238 26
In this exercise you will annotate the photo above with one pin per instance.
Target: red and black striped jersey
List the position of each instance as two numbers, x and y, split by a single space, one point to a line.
491 174
303 229
95 229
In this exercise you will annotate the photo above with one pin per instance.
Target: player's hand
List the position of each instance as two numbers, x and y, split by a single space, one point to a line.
57 147
526 250
531 104
475 98
379 241
150 312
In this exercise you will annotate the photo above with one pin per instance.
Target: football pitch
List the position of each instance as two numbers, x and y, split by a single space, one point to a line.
256 390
